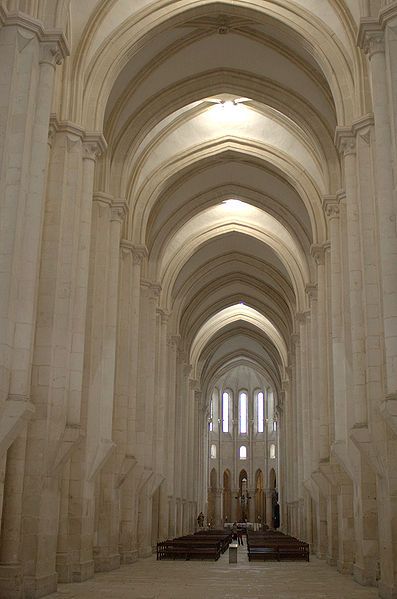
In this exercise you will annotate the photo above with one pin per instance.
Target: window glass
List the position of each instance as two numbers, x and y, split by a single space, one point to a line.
243 413
243 452
272 451
260 412
225 412
213 452
211 415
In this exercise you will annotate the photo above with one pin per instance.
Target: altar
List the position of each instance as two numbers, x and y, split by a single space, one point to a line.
244 525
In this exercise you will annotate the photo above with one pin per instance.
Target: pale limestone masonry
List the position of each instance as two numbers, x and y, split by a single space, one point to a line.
196 197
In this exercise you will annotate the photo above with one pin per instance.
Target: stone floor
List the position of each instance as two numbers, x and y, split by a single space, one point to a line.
149 579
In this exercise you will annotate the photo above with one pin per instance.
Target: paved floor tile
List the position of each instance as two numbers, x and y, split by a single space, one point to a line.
150 579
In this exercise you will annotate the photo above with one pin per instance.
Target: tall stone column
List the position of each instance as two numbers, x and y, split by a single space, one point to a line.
218 508
27 70
371 39
295 338
314 412
318 253
161 394
27 74
106 553
331 205
126 392
346 143
269 507
145 410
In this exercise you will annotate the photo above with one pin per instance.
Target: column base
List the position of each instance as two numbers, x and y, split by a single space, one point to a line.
364 576
129 557
65 573
11 581
344 567
331 561
39 586
145 551
107 563
64 568
386 591
83 571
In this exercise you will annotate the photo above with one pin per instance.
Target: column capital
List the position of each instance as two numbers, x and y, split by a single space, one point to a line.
194 384
164 315
311 290
198 396
371 37
345 141
174 341
119 210
102 198
285 383
94 145
73 131
50 53
331 206
182 355
363 122
29 23
317 250
187 369
139 252
301 317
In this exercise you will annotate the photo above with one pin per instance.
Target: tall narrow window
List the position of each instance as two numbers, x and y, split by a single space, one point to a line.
272 451
225 412
243 413
243 452
211 427
260 412
213 452
274 425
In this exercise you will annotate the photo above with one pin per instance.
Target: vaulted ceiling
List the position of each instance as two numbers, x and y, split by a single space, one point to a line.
220 118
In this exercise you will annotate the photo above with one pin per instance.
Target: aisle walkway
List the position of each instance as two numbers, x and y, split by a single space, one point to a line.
149 579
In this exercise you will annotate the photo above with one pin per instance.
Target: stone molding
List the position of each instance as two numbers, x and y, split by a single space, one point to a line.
153 287
318 250
331 206
371 31
119 211
301 317
94 143
50 54
345 138
70 439
371 37
388 411
139 252
14 416
311 290
75 132
103 452
362 439
55 39
345 141
128 464
388 13
102 198
164 315
194 385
